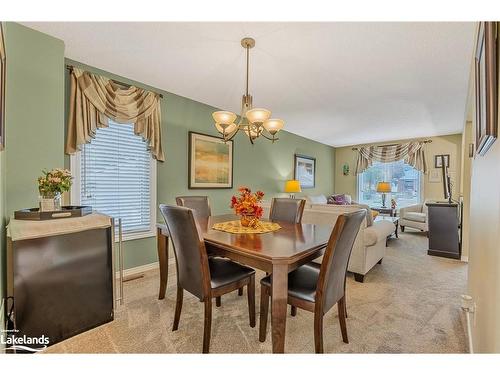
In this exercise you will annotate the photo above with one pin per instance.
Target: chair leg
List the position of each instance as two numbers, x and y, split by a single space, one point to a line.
293 310
359 277
264 312
402 228
342 315
178 308
208 325
318 332
251 300
218 301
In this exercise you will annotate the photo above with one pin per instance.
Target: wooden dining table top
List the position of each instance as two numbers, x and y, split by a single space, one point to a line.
287 245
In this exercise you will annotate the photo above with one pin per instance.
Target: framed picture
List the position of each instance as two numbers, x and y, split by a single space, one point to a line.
305 171
210 162
438 163
2 89
486 86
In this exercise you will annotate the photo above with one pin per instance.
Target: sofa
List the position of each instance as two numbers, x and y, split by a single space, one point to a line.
369 246
414 216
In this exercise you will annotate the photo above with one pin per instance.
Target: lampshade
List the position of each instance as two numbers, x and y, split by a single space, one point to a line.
292 186
258 115
384 187
224 117
229 128
273 125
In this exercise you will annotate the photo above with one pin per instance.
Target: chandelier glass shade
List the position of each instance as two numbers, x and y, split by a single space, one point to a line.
254 122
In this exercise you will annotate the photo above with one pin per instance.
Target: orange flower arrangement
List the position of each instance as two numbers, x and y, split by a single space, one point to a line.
247 205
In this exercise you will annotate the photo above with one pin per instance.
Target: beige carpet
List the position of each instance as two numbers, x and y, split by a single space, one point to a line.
408 304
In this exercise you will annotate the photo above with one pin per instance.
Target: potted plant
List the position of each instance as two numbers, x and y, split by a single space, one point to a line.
51 185
247 206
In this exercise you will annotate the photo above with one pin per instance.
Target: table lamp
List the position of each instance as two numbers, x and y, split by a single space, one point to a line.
383 187
291 187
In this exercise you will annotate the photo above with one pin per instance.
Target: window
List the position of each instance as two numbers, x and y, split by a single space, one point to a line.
404 180
116 175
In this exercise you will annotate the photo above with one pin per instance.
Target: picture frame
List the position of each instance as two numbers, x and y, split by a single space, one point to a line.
486 86
210 164
438 163
3 75
305 171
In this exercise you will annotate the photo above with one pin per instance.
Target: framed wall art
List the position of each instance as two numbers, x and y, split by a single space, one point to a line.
210 162
438 161
305 171
486 86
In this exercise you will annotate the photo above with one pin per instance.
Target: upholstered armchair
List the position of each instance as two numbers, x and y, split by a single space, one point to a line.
414 217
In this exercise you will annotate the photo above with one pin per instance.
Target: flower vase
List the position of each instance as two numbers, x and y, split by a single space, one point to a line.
50 202
249 221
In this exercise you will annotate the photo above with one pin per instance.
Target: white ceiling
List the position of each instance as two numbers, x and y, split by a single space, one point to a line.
337 83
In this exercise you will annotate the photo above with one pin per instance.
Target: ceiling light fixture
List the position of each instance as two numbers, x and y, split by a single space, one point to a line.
255 122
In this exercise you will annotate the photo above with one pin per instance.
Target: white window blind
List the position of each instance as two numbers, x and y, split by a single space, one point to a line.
116 176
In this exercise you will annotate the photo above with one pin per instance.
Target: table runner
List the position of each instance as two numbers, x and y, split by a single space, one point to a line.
29 229
236 227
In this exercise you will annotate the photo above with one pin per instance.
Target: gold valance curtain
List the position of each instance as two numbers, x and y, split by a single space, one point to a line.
95 99
411 152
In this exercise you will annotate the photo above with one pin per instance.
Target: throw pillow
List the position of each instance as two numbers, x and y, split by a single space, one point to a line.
317 199
339 199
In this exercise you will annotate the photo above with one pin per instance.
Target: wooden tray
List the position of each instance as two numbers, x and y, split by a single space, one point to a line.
66 212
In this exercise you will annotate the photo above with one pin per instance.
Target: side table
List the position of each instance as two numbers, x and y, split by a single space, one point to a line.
385 210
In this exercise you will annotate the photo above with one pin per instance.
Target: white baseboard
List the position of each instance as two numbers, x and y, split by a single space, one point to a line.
141 269
464 259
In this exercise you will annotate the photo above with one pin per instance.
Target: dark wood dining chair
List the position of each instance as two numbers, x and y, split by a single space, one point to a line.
204 277
201 206
318 287
291 211
287 209
199 203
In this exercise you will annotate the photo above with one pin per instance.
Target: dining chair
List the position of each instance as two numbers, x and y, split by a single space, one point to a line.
318 287
200 204
287 209
204 277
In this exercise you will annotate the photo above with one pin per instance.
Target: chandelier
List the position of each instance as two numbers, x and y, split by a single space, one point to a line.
255 122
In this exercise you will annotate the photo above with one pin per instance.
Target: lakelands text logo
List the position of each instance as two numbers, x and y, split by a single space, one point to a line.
11 342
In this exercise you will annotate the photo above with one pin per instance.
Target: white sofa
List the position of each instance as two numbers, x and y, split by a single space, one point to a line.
414 217
369 246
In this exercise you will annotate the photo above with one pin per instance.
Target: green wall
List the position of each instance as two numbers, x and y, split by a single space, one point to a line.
34 118
2 233
37 103
35 111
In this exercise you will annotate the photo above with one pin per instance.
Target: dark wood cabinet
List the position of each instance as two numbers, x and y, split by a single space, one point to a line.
444 226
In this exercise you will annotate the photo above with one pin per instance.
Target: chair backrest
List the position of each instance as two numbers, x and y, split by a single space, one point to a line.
191 257
200 205
287 209
331 281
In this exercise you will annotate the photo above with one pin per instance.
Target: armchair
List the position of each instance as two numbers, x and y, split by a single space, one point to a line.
414 217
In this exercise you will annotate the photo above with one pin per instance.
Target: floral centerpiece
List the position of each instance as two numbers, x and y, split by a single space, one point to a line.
247 206
51 185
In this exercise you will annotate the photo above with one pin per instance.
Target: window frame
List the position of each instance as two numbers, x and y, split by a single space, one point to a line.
421 195
76 189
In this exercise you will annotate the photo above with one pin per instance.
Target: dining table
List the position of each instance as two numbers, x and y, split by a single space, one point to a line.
277 253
